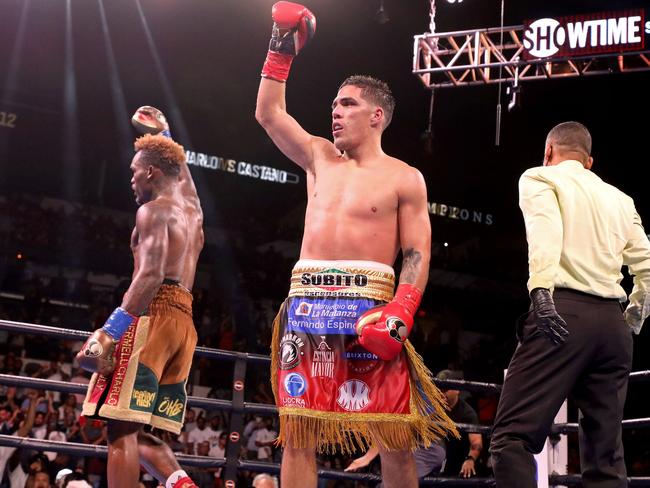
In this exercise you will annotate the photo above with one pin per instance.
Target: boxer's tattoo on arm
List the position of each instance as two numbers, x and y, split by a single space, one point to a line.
410 266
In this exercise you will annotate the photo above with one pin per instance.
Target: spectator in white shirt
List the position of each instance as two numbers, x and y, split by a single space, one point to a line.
199 434
249 433
264 439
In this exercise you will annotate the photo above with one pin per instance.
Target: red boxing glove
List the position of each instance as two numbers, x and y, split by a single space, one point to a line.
382 330
293 26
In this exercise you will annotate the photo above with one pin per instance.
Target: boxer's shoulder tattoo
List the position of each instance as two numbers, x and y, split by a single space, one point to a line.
410 265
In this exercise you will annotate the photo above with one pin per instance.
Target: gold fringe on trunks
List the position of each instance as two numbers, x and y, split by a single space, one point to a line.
329 432
275 350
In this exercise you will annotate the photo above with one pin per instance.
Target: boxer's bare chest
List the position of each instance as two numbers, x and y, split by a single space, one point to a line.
347 190
351 214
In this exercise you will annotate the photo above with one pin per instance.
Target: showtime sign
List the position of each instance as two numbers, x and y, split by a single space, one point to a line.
585 34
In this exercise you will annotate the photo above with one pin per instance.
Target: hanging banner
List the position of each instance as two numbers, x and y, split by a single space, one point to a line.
581 35
459 213
241 168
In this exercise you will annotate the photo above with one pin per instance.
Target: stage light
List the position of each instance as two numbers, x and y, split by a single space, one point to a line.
446 244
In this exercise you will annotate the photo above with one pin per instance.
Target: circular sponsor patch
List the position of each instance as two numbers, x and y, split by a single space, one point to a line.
354 395
234 436
238 385
230 484
359 359
295 384
290 351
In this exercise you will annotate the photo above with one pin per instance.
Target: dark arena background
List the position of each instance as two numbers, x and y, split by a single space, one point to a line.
72 72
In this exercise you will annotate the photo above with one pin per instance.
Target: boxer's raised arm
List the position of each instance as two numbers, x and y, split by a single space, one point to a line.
187 187
150 120
287 134
293 26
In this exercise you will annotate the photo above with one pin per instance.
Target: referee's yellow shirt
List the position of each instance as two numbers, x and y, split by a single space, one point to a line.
580 232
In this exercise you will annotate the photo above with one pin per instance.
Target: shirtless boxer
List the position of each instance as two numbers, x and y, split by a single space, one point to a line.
142 355
343 372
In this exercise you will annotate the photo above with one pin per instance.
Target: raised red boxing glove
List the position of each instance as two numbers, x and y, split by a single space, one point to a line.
383 329
293 26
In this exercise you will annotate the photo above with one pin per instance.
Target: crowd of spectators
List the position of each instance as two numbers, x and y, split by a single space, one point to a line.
51 254
50 415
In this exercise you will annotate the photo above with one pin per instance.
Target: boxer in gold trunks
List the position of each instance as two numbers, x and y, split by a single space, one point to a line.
142 355
343 371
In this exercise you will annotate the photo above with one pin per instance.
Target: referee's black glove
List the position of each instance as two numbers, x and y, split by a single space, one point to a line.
546 317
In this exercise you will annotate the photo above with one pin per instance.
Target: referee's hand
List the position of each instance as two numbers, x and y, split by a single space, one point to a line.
546 317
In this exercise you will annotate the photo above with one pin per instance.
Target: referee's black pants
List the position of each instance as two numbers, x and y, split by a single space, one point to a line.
591 368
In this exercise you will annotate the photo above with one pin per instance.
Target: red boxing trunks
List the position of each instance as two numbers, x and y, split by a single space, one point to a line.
330 391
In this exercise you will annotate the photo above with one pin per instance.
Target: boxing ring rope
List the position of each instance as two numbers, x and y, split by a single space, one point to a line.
566 428
67 387
249 407
81 335
87 450
238 407
223 355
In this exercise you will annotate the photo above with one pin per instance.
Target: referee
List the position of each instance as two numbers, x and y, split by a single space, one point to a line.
575 341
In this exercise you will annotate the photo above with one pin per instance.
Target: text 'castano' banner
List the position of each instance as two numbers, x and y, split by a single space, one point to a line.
241 168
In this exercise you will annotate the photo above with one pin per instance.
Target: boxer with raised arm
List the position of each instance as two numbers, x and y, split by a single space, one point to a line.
142 356
343 371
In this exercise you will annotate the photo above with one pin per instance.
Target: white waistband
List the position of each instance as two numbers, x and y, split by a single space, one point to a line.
344 263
